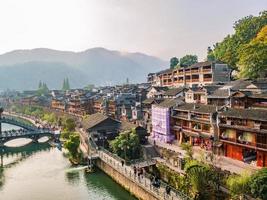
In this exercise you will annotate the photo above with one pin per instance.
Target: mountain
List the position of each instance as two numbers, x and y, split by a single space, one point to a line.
23 69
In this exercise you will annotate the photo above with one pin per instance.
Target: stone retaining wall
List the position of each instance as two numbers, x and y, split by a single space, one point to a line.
128 184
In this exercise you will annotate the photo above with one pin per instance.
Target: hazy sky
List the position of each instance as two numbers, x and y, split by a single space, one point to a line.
163 28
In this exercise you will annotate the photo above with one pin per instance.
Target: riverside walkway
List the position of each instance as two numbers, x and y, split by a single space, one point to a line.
143 181
221 162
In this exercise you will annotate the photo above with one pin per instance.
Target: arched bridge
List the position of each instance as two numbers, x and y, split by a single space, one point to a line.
27 130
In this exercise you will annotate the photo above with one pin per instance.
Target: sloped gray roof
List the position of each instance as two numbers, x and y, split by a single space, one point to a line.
198 108
253 114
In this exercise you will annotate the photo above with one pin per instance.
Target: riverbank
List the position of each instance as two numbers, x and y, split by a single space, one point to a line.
38 171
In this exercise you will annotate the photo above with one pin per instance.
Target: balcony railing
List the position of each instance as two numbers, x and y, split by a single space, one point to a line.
206 70
253 145
207 79
195 80
194 71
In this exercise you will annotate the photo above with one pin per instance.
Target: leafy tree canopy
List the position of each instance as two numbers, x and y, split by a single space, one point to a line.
126 145
174 62
258 184
241 50
188 60
66 84
72 144
253 56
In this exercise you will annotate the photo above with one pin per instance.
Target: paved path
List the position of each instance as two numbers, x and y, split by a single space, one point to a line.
143 181
222 162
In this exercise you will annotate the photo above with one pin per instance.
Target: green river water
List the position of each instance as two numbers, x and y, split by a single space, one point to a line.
40 172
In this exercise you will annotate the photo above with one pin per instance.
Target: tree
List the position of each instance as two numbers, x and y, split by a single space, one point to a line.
89 87
69 124
72 145
199 176
126 145
246 29
238 185
188 149
258 184
174 62
210 54
188 60
42 89
66 84
40 85
253 57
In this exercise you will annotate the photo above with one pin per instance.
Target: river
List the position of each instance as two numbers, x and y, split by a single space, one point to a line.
40 172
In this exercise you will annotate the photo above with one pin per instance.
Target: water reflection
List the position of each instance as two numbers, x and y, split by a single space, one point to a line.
38 171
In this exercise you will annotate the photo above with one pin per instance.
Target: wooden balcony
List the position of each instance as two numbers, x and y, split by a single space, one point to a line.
207 79
194 71
206 70
194 80
251 145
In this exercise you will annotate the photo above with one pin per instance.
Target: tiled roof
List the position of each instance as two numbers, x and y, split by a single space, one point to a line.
260 96
168 103
198 108
220 93
173 91
253 114
127 126
94 119
164 71
201 64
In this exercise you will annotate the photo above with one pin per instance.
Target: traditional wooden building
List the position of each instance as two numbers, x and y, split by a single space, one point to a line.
243 133
58 104
201 73
196 124
98 105
80 106
101 128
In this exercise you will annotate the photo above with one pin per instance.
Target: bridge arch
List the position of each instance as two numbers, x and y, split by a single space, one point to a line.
28 131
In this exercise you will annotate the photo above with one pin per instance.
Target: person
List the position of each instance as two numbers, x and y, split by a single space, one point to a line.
154 142
135 170
122 163
168 189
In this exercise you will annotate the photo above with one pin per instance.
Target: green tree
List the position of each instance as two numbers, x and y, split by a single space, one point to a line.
89 87
40 85
188 149
258 184
199 175
69 124
126 145
72 145
238 185
174 62
231 47
188 60
66 84
210 54
253 57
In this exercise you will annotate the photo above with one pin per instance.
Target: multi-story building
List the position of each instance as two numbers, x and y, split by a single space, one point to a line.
80 106
201 73
58 104
243 133
161 120
98 105
196 124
